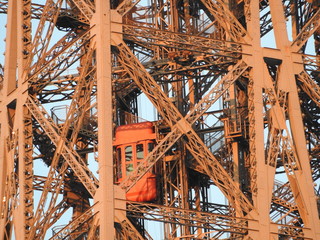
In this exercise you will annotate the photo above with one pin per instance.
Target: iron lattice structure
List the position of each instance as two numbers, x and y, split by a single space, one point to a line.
235 116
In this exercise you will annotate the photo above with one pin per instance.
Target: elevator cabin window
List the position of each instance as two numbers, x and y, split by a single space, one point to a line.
132 144
128 158
129 162
131 158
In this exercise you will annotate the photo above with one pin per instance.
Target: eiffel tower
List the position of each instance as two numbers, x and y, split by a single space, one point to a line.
160 119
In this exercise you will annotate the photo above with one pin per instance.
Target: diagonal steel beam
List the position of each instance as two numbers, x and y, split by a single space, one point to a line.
40 43
52 217
75 224
292 165
307 31
227 20
129 231
60 47
42 216
126 229
92 233
125 6
282 195
310 87
86 8
205 103
182 126
70 155
218 174
146 83
58 61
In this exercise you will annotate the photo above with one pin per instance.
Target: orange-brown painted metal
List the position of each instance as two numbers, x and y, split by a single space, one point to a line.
229 147
133 142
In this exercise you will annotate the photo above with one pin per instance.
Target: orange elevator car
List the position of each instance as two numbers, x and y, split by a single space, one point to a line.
132 144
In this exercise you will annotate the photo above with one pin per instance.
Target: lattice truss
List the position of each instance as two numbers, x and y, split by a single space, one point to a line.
234 91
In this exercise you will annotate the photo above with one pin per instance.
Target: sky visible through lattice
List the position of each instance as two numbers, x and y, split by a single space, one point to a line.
148 111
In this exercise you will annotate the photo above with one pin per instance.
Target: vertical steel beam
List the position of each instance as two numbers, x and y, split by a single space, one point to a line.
105 194
262 175
303 192
9 85
13 98
177 22
10 65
